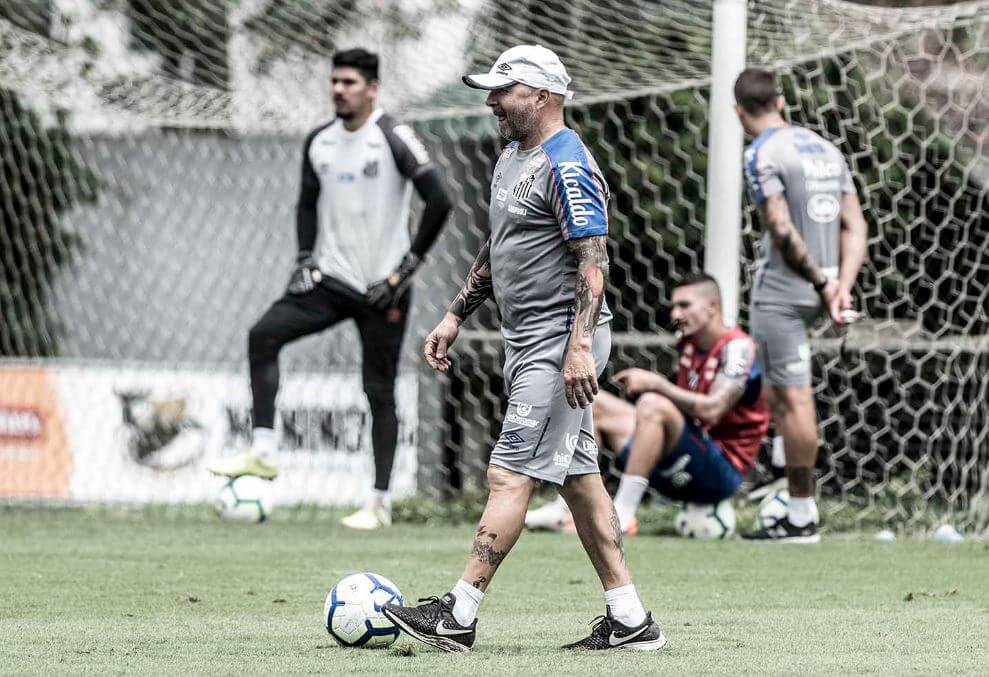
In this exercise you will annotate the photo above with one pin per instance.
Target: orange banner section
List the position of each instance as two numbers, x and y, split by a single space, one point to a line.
35 459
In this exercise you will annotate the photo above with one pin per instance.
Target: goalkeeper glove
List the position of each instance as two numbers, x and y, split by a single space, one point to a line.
306 275
387 293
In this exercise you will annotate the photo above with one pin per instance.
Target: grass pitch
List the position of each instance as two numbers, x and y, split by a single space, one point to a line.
178 592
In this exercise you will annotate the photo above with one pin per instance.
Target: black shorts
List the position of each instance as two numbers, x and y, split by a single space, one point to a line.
381 331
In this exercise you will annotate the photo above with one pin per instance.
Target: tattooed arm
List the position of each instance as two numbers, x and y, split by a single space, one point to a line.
788 241
579 371
477 288
708 408
727 389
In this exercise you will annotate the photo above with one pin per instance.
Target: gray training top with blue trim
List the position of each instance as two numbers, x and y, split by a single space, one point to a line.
813 175
540 198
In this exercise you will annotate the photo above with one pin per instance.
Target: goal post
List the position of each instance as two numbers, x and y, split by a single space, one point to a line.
723 220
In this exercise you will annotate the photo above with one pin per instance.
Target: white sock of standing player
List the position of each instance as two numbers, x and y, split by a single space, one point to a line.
625 607
265 444
802 511
631 489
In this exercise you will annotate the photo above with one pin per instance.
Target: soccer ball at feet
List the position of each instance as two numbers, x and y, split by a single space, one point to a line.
244 499
705 521
772 508
353 611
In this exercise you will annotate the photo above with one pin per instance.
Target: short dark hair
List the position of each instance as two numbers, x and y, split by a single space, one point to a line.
700 278
364 61
756 90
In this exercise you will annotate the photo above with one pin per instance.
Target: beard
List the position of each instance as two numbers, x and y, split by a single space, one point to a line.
343 112
518 124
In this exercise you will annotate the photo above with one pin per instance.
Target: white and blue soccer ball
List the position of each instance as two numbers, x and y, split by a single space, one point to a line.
244 499
772 508
705 521
353 611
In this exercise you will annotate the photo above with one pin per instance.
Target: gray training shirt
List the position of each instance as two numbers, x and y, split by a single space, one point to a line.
540 198
813 175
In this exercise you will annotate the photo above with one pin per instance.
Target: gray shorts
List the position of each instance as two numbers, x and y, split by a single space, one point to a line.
782 334
541 436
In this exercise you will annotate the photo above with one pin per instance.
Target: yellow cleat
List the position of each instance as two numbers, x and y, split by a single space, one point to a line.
368 518
245 463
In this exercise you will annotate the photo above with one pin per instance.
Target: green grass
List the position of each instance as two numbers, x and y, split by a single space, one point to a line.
174 591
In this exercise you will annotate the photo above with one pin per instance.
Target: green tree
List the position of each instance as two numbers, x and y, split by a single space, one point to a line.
41 177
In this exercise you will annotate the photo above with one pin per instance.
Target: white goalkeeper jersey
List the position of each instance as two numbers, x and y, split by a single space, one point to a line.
364 182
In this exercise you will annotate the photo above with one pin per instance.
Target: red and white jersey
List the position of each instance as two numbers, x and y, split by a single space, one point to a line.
734 356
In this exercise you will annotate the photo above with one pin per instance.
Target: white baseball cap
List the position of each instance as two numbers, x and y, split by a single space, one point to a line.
532 65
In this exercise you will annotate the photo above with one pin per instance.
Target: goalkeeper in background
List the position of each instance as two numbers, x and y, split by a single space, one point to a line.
356 260
812 251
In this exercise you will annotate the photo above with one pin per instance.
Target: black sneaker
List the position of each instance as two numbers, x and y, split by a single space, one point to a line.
607 633
784 531
433 623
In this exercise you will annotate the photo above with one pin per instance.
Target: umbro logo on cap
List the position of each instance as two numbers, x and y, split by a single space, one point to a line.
531 65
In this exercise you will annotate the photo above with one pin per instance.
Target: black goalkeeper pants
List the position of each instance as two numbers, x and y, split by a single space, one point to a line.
292 317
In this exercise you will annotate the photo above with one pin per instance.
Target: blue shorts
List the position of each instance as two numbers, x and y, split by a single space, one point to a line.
695 470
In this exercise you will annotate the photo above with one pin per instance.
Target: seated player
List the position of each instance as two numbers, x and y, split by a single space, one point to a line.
690 441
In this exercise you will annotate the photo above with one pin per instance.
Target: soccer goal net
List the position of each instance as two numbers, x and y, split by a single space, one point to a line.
150 156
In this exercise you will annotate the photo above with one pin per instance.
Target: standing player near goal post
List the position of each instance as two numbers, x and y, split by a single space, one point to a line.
546 263
355 261
813 249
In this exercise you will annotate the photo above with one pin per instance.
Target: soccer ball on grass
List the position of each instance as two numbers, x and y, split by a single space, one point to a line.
772 508
705 521
353 611
244 499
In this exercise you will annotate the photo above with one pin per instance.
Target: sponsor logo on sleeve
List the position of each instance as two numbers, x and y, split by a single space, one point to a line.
581 206
736 358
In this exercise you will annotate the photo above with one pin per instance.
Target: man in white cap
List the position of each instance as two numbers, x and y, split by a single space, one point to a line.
546 264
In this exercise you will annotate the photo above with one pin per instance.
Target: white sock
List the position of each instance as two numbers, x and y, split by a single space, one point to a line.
778 459
381 499
624 605
631 489
802 511
468 598
265 443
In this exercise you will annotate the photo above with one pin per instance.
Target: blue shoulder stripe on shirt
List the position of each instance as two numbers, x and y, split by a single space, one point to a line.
585 212
753 167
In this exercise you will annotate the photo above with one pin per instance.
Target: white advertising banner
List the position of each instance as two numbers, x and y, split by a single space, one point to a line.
146 435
